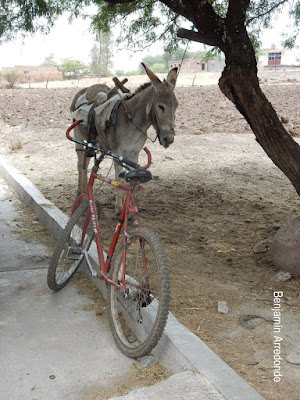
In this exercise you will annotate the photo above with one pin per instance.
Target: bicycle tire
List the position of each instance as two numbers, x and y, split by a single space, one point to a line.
138 318
68 253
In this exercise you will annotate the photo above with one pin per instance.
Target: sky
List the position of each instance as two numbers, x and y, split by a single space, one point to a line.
75 41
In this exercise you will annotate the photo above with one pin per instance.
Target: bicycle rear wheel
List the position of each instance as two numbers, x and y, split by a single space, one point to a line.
70 247
138 317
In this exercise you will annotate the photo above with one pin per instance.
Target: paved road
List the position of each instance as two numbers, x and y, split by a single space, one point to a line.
50 348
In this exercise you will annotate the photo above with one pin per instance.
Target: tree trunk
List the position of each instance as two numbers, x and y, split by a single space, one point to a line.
239 83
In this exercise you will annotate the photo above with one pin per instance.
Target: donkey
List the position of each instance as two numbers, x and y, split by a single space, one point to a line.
153 103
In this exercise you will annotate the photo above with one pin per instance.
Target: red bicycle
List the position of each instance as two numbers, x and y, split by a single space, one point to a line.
135 267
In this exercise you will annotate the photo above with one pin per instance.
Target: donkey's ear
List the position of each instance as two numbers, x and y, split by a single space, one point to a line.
153 78
172 77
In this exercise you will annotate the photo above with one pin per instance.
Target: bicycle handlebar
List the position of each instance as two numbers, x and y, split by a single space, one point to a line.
98 147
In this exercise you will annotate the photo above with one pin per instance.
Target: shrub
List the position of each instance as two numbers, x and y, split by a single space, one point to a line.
159 68
11 77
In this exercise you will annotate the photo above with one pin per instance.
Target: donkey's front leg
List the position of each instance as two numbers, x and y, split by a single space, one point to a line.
82 165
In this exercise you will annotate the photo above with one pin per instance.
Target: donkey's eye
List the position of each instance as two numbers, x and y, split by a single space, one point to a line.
162 108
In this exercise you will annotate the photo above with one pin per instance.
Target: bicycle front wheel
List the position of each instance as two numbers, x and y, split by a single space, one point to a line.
73 240
138 316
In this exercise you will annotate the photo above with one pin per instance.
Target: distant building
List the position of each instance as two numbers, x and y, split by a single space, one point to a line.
197 65
279 58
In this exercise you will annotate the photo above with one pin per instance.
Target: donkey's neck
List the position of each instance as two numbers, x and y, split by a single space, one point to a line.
139 106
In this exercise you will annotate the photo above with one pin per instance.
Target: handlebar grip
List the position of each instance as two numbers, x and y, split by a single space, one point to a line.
72 127
134 165
149 159
128 162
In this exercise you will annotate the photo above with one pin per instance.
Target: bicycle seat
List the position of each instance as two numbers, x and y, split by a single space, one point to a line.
136 175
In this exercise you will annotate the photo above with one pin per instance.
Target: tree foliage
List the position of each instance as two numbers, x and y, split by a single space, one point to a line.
49 61
143 23
27 16
146 21
71 68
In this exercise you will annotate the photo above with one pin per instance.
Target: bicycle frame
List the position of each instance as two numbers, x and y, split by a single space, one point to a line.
129 206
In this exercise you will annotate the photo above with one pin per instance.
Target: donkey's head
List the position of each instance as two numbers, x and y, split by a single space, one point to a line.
163 106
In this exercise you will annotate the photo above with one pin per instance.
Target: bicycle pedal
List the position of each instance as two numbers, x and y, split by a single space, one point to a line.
74 253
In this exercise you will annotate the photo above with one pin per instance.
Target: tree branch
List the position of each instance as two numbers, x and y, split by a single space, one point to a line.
196 36
266 12
209 25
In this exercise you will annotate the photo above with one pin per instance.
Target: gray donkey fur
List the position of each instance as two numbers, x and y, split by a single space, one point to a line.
152 104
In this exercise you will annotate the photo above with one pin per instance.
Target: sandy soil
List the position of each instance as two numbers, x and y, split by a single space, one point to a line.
214 196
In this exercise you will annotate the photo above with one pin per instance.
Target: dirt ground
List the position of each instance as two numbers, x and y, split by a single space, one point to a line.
214 196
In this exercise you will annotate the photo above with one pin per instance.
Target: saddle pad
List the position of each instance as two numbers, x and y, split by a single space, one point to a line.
104 111
83 108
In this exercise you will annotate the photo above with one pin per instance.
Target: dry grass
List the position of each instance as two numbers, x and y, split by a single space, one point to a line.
86 288
15 144
139 378
29 228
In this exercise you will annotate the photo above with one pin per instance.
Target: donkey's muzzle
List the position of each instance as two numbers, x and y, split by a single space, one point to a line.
166 138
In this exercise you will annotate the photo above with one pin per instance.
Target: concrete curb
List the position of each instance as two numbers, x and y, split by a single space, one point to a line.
179 349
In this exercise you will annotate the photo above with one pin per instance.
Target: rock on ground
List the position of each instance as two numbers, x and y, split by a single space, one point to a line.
286 247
